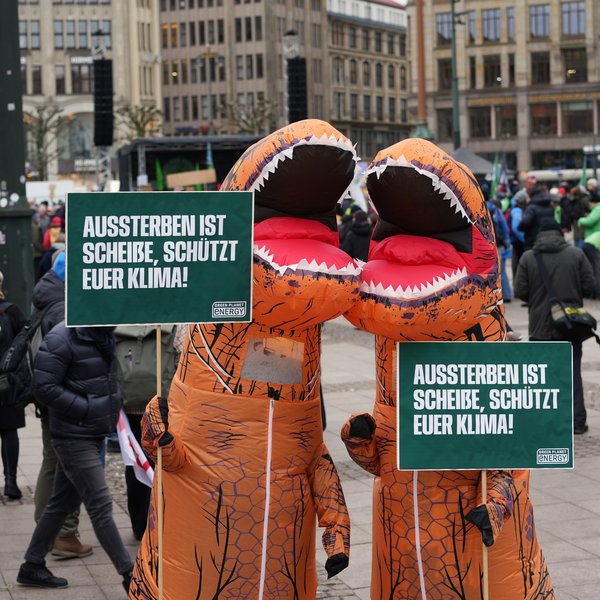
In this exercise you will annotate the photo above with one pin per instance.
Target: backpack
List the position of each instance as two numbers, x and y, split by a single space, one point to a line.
508 219
16 365
136 363
6 328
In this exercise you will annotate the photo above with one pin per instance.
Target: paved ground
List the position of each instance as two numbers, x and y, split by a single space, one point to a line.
567 503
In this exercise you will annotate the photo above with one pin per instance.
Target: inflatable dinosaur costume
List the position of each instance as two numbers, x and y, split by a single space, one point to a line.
246 471
432 275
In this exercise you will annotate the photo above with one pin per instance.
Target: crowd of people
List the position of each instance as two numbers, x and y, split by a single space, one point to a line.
75 381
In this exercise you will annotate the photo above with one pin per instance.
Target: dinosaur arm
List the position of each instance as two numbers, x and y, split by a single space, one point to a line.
331 511
490 517
156 434
359 436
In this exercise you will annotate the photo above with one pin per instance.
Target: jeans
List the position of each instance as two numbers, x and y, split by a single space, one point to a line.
79 477
45 483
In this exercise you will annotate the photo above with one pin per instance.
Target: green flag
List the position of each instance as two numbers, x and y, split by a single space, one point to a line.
198 186
583 180
160 177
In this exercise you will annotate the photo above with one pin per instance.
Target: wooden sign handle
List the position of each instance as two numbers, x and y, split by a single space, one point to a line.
159 467
486 585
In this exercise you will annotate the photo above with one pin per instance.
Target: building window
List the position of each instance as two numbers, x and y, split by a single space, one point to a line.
491 25
510 23
445 129
472 72
175 73
354 107
167 109
36 80
543 119
259 66
59 80
573 18
506 121
379 75
107 33
480 122
391 109
390 44
221 31
182 35
402 45
339 101
248 28
378 41
238 30
195 113
164 37
444 74
186 108
511 70
239 67
192 27
81 81
403 110
379 108
258 33
577 117
23 35
34 39
575 65
444 28
210 32
249 66
492 71
391 77
70 34
403 82
540 68
472 27
337 34
58 35
539 21
366 74
82 41
184 70
367 108
338 70
176 109
201 37
353 72
365 39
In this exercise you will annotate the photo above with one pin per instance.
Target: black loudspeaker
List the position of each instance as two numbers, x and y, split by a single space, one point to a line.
103 102
297 100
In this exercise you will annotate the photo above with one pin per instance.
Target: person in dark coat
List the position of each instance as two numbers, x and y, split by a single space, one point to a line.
49 299
12 418
573 279
75 376
539 208
357 239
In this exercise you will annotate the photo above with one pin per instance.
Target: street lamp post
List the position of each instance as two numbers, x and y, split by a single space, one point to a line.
455 108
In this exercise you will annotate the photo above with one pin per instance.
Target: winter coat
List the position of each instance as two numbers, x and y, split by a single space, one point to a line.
540 208
571 275
12 417
591 223
49 296
357 240
75 376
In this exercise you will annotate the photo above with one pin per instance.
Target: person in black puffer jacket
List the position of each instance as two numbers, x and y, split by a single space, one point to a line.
357 239
49 299
75 376
538 209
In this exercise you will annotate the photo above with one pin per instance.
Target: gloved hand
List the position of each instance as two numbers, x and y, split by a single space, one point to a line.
480 517
155 423
336 564
362 426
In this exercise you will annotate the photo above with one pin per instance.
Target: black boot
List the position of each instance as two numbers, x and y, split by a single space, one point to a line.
11 489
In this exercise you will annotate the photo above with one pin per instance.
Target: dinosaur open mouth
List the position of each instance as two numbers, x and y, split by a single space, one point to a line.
305 179
427 244
417 201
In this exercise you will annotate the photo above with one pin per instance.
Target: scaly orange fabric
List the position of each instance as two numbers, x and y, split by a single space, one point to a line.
246 472
433 274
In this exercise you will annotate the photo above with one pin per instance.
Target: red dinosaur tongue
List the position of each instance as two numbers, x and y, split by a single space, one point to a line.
411 261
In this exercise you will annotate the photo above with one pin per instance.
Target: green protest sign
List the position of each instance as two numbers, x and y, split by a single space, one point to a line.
164 257
492 405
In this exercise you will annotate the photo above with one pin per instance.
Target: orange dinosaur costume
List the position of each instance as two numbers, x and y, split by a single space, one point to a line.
246 471
433 275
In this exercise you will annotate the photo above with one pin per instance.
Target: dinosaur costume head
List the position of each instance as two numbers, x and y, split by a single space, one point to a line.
298 174
433 272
